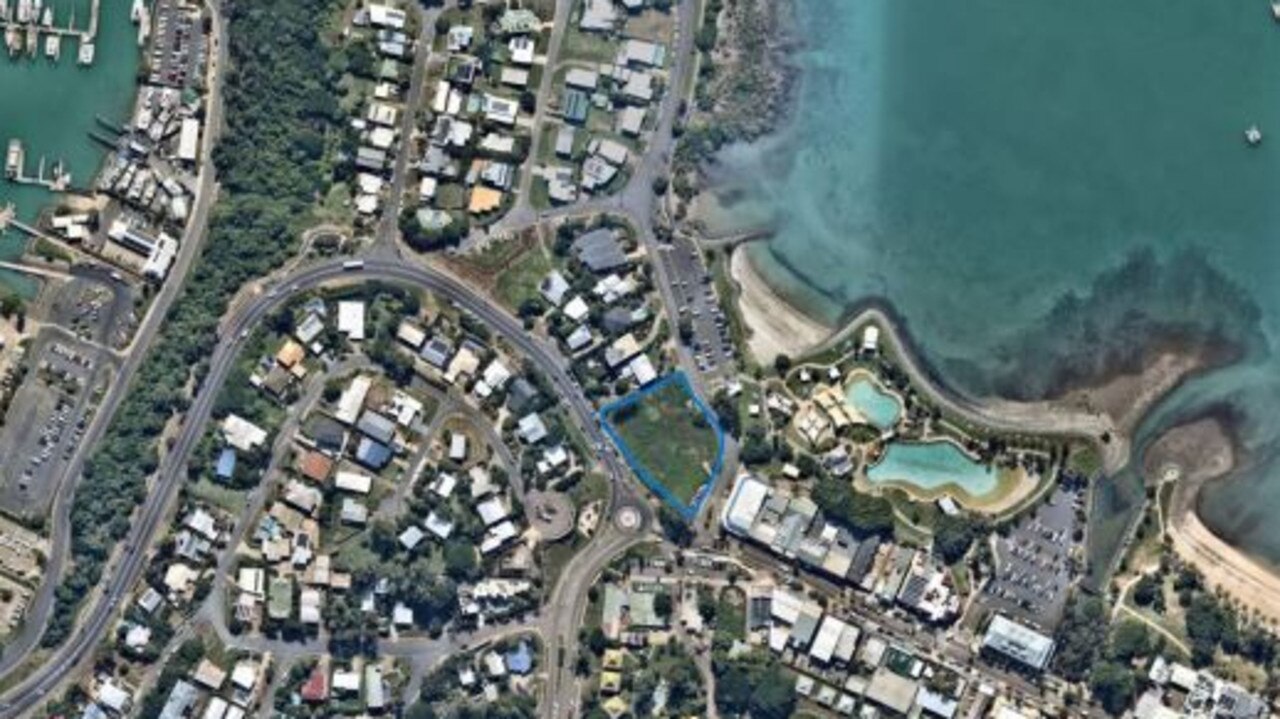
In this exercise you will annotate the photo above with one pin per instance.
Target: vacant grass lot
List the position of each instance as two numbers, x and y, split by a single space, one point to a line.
521 279
668 435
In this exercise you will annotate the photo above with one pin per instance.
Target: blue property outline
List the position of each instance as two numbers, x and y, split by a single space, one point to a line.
689 512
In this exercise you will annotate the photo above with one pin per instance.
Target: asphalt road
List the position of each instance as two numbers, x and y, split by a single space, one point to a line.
21 645
638 204
389 224
118 583
569 596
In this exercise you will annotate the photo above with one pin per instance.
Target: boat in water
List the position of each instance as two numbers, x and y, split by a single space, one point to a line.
85 56
1253 135
53 46
13 159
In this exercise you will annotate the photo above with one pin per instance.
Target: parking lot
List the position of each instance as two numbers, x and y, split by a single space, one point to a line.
1038 561
94 307
46 421
696 300
178 51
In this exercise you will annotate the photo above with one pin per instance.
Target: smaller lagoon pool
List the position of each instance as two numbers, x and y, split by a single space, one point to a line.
931 466
866 396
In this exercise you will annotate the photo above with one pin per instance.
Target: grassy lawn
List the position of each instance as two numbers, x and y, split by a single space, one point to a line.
727 291
451 197
652 25
667 434
599 122
1085 460
556 556
520 280
731 615
335 207
590 47
593 488
752 394
540 194
1172 617
547 143
218 495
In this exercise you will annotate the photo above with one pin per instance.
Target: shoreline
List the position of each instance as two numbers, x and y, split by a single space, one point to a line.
1203 449
1191 455
778 326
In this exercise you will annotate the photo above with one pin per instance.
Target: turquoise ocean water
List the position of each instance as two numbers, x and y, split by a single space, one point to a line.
51 106
1042 190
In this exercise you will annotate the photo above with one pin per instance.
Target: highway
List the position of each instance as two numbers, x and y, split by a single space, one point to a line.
26 640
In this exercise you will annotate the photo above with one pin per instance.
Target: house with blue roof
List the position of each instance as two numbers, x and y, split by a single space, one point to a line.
372 454
226 466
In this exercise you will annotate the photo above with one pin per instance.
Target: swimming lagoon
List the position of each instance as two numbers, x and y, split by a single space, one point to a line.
933 466
878 406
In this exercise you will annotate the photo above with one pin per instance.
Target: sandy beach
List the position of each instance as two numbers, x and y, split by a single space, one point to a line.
1192 455
1200 451
776 327
1224 567
1110 409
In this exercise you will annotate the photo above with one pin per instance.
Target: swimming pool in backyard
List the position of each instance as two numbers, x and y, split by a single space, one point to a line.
865 395
931 466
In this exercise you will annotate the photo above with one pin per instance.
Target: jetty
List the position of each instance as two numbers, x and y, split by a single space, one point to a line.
57 180
42 272
9 218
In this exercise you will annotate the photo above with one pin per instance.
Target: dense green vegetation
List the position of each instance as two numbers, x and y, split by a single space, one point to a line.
863 513
10 304
1081 637
754 684
281 113
954 534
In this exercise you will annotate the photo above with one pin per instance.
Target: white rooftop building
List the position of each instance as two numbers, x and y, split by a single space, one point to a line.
241 433
351 319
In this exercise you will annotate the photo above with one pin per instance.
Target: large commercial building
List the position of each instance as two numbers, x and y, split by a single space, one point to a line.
1018 642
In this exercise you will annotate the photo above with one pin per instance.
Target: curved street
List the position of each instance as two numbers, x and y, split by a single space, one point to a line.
120 580
559 620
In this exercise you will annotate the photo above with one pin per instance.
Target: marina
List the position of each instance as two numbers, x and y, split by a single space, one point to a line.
53 111
26 22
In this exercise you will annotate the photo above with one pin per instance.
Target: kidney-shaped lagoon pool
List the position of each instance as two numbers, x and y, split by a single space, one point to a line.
931 466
